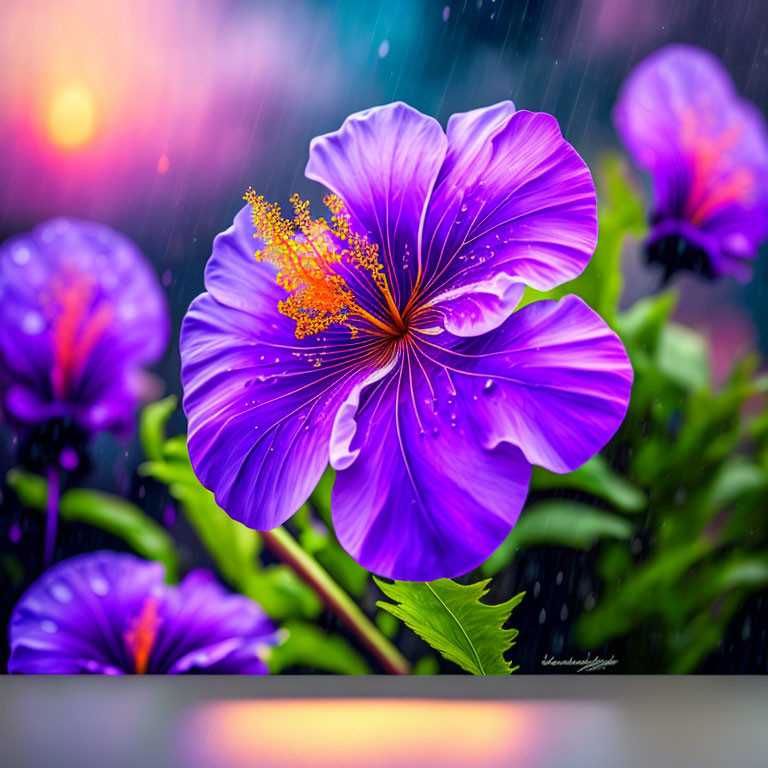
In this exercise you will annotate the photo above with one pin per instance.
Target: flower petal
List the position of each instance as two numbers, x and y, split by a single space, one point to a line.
83 291
71 620
681 119
417 495
205 627
260 403
513 198
383 163
554 380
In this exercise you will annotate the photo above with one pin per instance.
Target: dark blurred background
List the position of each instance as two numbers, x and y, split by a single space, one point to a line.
154 117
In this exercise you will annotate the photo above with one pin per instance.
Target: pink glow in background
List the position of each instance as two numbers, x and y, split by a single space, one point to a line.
170 99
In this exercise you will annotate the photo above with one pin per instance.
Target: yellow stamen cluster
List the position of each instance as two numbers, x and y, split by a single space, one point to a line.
305 253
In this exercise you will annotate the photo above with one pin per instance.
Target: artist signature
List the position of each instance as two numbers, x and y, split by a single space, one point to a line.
589 664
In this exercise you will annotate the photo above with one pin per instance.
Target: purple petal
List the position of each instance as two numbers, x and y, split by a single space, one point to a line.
681 119
116 321
418 496
75 618
553 380
513 198
260 403
383 163
208 628
71 620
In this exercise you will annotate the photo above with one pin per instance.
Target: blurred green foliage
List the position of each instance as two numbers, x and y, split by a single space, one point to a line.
236 551
102 510
681 516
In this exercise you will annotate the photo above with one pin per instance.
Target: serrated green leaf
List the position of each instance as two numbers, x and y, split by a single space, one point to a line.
110 513
451 618
558 522
307 645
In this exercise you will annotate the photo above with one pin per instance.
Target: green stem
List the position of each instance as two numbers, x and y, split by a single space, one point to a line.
284 546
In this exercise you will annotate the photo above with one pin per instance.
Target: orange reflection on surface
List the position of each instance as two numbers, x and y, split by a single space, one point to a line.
363 732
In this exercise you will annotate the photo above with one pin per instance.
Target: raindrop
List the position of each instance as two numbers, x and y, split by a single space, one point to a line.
490 385
99 585
542 616
61 592
564 612
48 626
22 255
32 323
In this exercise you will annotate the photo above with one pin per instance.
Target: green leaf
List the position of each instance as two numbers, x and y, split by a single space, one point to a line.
426 665
307 645
683 356
105 511
597 478
642 324
558 522
451 618
737 478
152 423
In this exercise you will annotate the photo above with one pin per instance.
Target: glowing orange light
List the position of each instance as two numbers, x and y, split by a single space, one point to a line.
371 733
72 117
163 164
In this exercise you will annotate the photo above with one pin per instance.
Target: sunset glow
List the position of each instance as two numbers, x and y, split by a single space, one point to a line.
72 117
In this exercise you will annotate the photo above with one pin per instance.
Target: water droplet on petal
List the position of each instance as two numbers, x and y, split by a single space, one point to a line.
61 592
489 386
99 585
21 255
32 323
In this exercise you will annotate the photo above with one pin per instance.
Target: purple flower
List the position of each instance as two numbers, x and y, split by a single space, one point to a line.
111 613
386 340
81 312
681 119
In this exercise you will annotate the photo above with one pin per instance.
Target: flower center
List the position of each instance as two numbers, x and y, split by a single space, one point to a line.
75 330
141 634
716 180
316 259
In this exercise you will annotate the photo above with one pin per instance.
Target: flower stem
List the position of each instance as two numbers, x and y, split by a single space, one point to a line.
51 515
284 546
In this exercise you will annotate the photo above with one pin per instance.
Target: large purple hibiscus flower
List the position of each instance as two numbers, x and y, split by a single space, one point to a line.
81 312
386 340
681 119
111 613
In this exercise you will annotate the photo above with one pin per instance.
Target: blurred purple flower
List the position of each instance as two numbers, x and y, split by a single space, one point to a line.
396 353
111 613
681 119
81 312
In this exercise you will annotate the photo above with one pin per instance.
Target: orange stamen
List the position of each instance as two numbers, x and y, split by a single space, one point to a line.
74 332
305 252
141 634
